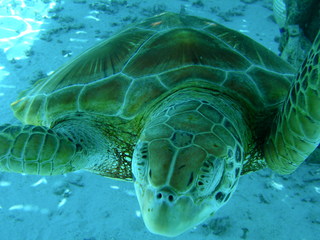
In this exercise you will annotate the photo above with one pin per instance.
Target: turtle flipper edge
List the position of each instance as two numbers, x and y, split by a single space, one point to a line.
296 131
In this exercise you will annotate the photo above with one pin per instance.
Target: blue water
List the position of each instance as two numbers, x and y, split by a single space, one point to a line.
36 37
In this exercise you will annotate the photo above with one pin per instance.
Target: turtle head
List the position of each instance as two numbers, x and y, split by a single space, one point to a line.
186 166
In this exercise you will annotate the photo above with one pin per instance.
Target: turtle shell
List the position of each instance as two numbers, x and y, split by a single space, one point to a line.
124 75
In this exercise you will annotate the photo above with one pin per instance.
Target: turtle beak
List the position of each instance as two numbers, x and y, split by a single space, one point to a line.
165 213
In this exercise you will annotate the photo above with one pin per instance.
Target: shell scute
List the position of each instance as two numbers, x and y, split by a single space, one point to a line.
124 75
104 60
36 110
183 47
105 96
256 53
194 74
241 85
266 80
140 93
62 102
29 109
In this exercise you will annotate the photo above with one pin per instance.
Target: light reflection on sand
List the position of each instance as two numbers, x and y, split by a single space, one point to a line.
20 24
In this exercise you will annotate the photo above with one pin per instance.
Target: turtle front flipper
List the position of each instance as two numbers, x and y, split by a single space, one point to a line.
43 151
296 131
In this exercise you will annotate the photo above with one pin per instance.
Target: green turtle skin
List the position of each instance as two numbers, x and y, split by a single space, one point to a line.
181 105
296 130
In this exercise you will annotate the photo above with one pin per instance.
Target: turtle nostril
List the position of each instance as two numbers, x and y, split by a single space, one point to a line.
165 196
159 196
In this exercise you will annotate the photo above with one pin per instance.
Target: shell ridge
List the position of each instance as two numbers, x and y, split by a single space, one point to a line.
124 102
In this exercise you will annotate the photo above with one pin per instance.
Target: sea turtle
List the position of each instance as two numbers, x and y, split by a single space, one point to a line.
181 105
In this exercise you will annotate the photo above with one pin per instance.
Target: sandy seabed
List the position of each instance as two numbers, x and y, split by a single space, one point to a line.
84 206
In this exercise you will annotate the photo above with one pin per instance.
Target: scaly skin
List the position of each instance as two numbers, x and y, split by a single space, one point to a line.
296 131
43 151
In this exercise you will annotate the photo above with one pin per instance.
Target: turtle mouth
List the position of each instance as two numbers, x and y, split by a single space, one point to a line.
168 214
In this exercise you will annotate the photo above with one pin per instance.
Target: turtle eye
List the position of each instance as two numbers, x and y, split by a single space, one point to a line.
190 180
140 161
210 175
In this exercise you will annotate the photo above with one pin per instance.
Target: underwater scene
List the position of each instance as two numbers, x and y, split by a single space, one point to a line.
84 200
